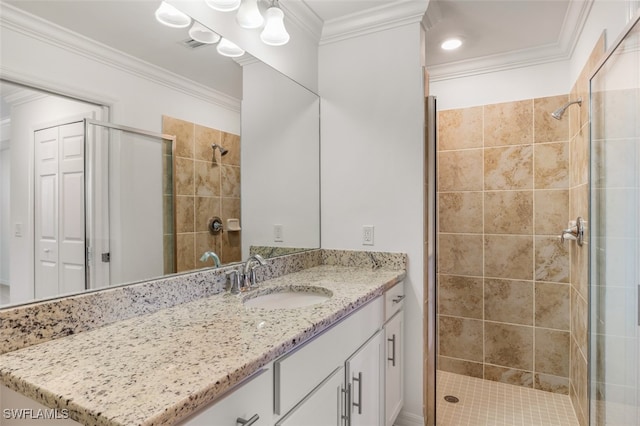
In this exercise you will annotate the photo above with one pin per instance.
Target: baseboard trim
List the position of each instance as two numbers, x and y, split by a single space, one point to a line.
408 419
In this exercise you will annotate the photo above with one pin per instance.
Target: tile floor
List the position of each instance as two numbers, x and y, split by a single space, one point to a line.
487 403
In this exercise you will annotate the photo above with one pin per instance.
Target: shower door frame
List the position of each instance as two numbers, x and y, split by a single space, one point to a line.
592 414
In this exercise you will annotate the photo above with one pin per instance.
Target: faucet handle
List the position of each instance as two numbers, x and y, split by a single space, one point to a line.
234 281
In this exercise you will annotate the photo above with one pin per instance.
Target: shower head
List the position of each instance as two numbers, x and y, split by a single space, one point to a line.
223 151
557 114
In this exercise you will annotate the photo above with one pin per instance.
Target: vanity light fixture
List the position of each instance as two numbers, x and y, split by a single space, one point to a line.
200 33
223 5
227 48
274 33
172 17
249 16
451 43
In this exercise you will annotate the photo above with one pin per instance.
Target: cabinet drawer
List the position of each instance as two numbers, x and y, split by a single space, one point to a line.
393 300
298 373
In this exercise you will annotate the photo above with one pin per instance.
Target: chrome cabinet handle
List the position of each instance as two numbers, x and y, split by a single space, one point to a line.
249 422
346 416
359 404
398 299
393 351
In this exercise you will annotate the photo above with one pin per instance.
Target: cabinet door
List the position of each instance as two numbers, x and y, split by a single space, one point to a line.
394 386
365 378
251 401
322 407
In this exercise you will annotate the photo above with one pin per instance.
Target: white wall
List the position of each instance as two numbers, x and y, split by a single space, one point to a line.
372 162
37 55
280 160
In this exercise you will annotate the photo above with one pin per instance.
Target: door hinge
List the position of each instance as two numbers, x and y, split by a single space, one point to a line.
106 257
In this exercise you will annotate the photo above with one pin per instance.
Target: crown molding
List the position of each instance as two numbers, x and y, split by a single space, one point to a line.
57 36
23 96
562 50
301 15
380 18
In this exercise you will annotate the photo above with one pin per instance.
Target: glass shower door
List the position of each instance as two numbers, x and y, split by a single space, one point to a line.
615 235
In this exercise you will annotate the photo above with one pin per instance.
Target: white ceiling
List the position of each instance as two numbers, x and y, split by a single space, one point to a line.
502 31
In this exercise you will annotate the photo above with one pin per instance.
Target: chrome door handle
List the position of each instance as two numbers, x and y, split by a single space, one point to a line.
359 404
393 351
249 422
398 299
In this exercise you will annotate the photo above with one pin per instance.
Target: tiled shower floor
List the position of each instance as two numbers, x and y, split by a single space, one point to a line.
487 403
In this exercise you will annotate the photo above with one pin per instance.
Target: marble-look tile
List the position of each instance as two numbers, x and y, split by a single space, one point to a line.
460 338
579 321
579 153
508 256
167 174
554 384
183 131
185 214
207 179
547 128
508 168
460 254
579 202
579 381
460 212
611 162
508 212
460 170
617 109
552 352
552 260
231 142
551 165
460 366
231 247
205 137
508 375
460 128
552 305
230 209
508 301
579 117
206 208
551 213
509 123
206 242
460 296
185 246
168 214
508 345
184 176
168 254
230 181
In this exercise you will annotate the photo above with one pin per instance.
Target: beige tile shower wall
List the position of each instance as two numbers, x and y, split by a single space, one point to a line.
207 185
579 127
504 281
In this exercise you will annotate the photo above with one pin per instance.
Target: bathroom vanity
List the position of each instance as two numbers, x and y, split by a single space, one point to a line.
216 360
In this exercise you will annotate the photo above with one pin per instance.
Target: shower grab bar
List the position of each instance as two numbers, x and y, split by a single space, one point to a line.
574 232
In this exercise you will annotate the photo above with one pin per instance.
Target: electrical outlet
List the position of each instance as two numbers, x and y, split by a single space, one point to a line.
277 233
367 235
17 230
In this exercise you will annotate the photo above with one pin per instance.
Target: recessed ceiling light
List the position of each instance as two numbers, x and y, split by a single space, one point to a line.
451 44
172 17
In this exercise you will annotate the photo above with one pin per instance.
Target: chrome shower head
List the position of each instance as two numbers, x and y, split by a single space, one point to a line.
223 151
557 114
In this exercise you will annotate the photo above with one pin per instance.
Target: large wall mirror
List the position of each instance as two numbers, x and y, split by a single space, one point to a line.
240 148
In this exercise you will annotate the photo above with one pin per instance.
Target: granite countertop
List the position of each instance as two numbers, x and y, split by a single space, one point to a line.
159 368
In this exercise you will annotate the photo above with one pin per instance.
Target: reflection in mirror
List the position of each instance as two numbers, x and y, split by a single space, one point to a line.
276 186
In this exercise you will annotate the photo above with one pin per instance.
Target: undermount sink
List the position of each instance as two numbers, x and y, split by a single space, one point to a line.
287 297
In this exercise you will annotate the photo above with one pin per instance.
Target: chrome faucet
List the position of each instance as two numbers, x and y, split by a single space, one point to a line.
250 279
210 254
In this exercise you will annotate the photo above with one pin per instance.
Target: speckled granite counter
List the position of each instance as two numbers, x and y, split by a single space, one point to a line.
160 367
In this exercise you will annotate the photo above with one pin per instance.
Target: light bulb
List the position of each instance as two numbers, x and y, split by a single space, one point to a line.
172 17
248 15
200 33
223 5
227 48
274 33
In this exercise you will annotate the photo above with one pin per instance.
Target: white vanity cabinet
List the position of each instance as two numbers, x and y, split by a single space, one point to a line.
394 353
247 404
364 380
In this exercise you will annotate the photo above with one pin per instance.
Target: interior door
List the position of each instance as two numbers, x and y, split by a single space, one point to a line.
59 210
